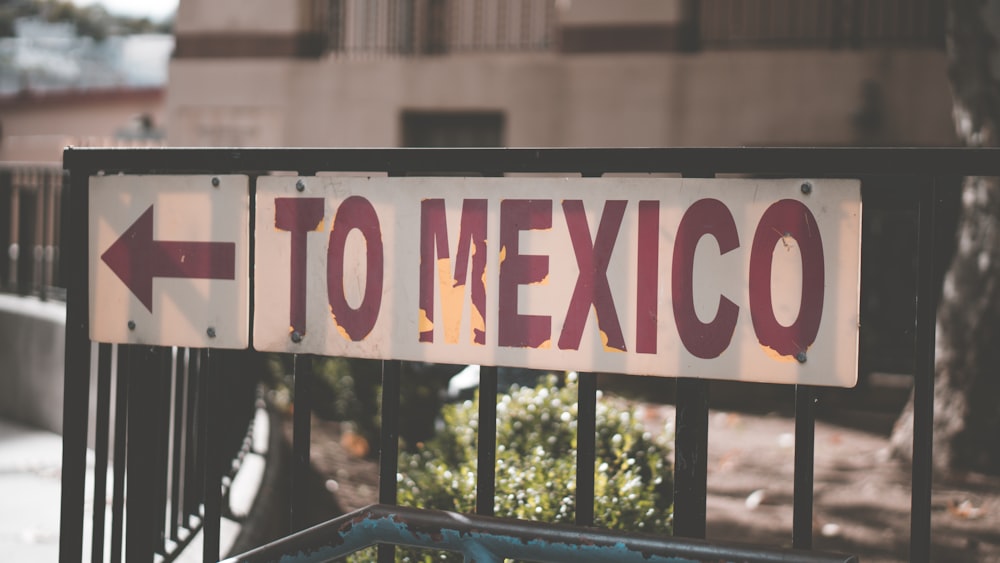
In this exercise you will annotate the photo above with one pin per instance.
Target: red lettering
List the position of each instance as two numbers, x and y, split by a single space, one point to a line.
592 286
787 218
703 340
298 216
434 250
517 269
647 277
355 212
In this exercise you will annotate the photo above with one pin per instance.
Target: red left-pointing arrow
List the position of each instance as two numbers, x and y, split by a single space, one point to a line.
136 259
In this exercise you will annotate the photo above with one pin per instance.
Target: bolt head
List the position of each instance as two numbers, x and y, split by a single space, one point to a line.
801 357
296 337
131 325
300 185
210 332
806 188
215 182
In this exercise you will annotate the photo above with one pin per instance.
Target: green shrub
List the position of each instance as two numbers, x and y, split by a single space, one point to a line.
536 463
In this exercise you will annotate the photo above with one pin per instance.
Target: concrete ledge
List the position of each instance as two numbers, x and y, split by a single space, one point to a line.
32 352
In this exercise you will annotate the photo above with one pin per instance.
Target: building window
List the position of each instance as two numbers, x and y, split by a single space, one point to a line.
453 129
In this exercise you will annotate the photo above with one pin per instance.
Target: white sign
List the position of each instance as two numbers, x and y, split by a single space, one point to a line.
169 260
753 280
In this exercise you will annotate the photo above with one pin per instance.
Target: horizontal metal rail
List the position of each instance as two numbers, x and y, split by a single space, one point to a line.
487 539
920 161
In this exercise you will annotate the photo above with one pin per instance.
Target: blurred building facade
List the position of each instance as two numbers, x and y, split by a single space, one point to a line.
58 88
36 126
558 73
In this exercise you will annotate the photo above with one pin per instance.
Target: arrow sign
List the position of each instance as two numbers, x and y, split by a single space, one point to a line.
136 259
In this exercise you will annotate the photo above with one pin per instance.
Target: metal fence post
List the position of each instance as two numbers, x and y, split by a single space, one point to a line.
301 436
213 465
140 512
805 450
923 381
388 462
77 373
691 447
487 441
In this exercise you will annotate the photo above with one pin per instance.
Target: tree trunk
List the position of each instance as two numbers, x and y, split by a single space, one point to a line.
967 382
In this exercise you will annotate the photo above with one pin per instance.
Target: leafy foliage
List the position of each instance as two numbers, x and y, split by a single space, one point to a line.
90 21
536 463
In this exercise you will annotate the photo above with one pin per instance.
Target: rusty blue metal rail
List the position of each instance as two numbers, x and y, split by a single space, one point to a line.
487 539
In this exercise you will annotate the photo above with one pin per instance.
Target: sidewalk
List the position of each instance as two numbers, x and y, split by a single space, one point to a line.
30 472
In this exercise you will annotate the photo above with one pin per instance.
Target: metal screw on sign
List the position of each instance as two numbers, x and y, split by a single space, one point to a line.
215 182
210 332
296 337
807 188
131 325
300 185
801 357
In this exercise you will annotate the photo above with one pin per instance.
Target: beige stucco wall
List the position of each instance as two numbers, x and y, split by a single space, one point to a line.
261 16
631 12
809 97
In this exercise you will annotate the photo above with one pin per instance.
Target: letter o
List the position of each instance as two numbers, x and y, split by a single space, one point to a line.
792 218
355 212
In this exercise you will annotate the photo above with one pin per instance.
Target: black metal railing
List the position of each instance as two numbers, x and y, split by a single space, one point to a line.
174 421
921 170
30 210
170 426
180 435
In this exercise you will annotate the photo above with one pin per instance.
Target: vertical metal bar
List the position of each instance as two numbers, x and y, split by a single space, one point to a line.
586 434
25 266
38 236
140 513
190 490
923 385
101 439
211 526
486 467
177 444
120 455
805 445
388 463
301 436
201 420
192 442
586 449
57 232
691 454
691 447
76 395
44 234
14 249
6 210
164 381
51 188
